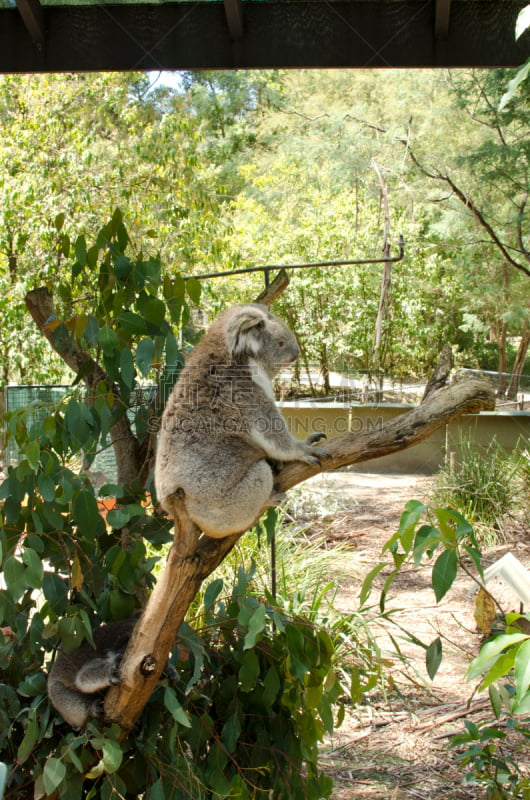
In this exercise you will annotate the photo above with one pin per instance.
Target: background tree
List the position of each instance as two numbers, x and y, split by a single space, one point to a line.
242 150
488 192
79 146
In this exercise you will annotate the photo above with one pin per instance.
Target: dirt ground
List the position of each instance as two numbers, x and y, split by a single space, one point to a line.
396 746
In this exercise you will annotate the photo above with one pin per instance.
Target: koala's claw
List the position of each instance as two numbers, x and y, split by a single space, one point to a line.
276 499
313 438
316 456
114 679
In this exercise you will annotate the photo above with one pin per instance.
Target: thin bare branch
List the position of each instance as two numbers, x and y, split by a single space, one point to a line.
477 213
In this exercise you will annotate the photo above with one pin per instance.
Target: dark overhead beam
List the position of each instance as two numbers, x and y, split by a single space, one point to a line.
195 35
441 21
33 18
234 18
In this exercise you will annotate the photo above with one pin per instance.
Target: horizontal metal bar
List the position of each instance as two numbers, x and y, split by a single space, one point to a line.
269 267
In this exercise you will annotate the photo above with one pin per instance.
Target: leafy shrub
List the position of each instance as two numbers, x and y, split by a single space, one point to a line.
257 684
486 755
255 693
482 485
487 751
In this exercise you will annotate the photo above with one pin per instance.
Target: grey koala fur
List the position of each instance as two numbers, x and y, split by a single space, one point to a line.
77 681
222 433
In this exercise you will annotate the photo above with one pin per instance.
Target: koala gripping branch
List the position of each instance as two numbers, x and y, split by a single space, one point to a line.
192 559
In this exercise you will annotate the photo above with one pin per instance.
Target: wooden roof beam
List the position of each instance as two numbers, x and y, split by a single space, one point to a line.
305 33
234 18
33 18
442 18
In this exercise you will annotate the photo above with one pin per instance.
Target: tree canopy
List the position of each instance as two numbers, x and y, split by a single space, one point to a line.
236 169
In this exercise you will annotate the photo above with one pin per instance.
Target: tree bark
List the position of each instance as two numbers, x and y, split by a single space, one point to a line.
192 559
274 289
386 282
441 372
520 358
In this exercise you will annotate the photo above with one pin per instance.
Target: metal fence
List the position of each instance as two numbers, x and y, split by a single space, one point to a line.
39 401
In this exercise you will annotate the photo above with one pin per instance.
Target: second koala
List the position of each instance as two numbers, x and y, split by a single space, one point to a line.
221 429
77 681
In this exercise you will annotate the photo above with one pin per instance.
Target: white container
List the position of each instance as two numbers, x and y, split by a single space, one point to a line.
510 570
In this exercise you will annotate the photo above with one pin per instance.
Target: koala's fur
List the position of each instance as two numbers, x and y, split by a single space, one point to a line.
77 681
222 432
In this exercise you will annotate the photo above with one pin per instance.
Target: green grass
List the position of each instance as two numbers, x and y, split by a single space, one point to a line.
484 485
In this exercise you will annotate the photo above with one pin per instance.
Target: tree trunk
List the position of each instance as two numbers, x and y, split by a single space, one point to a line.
324 367
386 286
520 358
192 559
499 336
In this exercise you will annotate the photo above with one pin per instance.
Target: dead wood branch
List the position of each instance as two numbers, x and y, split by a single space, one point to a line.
412 427
441 372
274 289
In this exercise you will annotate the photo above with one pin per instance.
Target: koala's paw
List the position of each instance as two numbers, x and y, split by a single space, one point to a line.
313 438
313 461
276 499
96 708
114 678
316 456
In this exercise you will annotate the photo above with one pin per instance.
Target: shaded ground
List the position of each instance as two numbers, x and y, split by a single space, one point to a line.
396 747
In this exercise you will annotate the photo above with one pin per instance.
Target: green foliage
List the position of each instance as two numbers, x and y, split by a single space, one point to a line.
247 168
308 577
75 147
503 654
490 748
313 220
447 539
485 759
256 691
487 751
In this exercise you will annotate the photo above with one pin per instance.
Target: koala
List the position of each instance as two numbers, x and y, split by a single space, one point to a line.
77 681
222 436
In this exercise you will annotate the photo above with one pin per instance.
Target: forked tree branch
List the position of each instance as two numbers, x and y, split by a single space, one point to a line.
129 454
192 559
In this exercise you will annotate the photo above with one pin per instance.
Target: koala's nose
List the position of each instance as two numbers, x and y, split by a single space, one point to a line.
294 353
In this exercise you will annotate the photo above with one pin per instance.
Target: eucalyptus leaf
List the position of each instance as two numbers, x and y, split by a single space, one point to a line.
433 657
256 625
444 573
53 774
145 353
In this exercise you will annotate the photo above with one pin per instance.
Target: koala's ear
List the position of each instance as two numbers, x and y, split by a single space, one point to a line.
244 333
